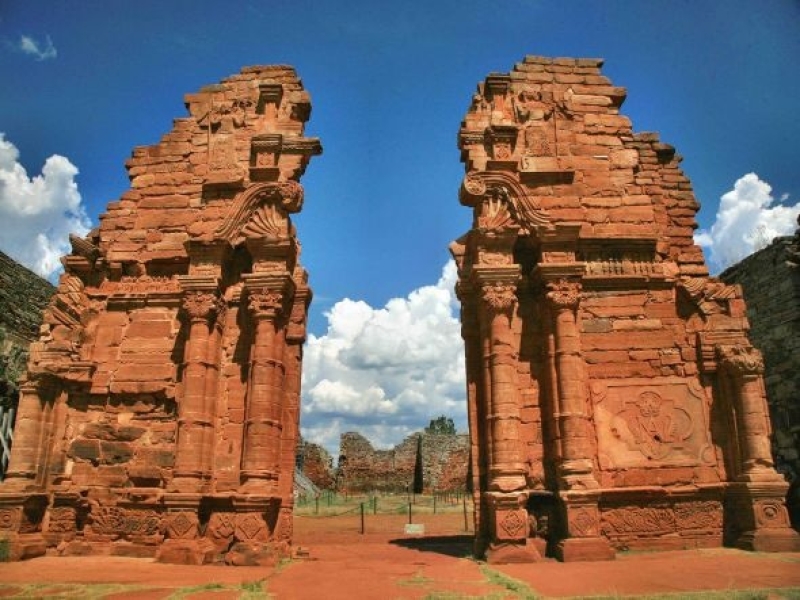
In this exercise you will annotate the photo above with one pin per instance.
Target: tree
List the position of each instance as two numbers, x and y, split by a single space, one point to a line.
441 426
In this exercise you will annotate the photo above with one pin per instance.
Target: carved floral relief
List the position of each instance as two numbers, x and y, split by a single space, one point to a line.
651 423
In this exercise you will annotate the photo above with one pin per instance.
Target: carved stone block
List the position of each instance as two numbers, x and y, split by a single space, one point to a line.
651 423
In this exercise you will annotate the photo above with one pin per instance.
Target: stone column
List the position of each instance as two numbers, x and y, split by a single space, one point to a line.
506 495
506 471
22 498
470 332
195 426
576 468
262 435
579 493
744 368
755 504
24 466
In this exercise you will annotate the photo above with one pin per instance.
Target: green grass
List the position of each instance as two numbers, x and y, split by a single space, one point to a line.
764 594
520 589
390 504
94 591
418 580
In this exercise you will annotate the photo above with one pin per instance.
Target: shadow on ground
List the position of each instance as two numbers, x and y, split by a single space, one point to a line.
458 546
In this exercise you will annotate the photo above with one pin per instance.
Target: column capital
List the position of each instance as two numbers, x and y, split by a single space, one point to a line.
269 294
563 294
741 360
200 305
265 303
499 296
497 286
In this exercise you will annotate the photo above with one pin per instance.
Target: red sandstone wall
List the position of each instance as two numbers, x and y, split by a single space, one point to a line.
167 374
604 366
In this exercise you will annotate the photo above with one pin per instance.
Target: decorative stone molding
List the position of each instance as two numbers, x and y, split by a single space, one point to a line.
503 194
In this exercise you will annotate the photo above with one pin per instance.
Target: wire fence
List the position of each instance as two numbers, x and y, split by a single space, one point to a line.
439 513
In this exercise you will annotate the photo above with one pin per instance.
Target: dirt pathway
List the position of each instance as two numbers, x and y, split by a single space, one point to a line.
385 567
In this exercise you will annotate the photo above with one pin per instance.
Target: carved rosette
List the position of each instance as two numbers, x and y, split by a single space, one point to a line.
200 306
741 360
564 294
10 519
771 514
473 186
265 303
499 297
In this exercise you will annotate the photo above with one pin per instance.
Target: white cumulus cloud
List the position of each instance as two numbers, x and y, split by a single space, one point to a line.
38 213
386 372
746 221
39 50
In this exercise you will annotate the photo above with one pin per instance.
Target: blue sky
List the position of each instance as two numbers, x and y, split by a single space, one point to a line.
390 83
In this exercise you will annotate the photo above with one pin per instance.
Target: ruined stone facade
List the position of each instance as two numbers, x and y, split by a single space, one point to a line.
614 398
440 460
159 414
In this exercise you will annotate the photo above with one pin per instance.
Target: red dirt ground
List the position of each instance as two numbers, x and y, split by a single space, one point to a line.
385 563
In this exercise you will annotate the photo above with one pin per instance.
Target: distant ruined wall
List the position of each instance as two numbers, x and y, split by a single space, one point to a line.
316 463
770 280
445 460
23 296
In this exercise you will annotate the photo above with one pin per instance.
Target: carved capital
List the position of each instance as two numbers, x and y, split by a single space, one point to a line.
742 360
499 296
564 294
200 306
265 303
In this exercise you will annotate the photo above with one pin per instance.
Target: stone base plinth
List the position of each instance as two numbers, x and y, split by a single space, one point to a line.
132 550
584 549
247 554
187 552
770 540
511 553
24 546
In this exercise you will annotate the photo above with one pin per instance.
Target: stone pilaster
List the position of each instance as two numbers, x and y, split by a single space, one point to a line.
506 494
744 368
576 466
267 297
498 292
476 409
579 492
25 468
195 420
755 504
